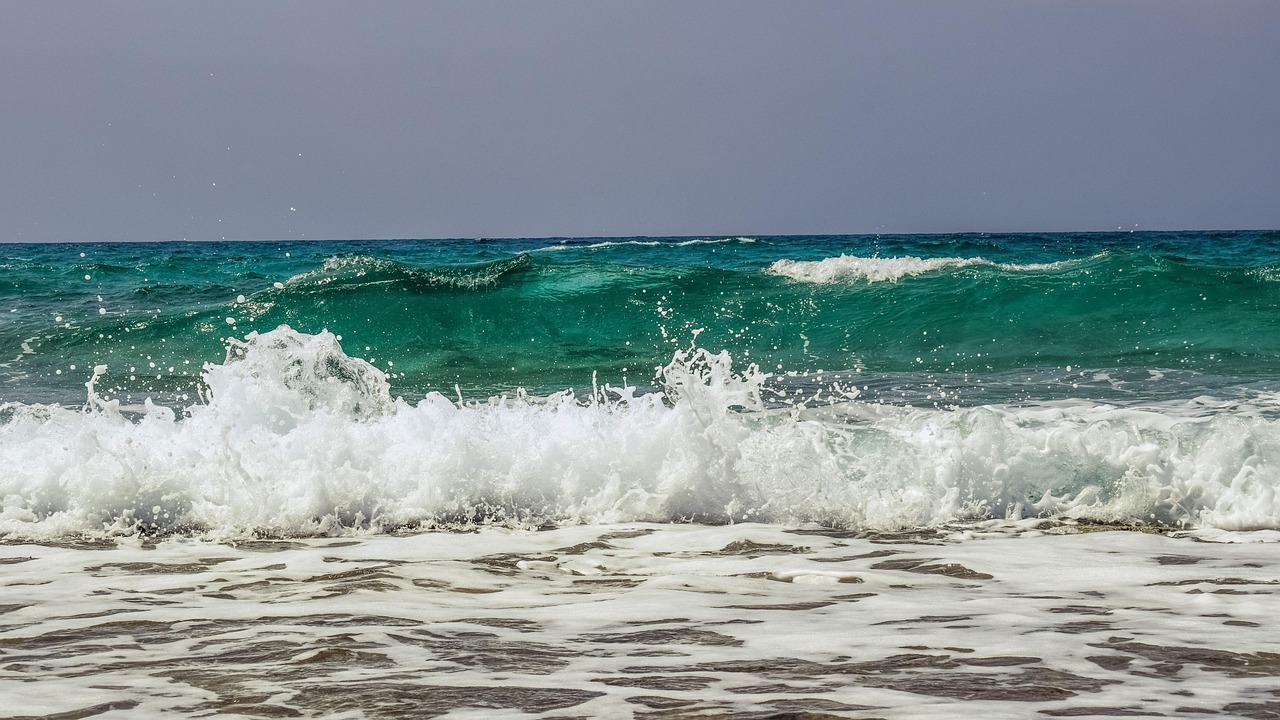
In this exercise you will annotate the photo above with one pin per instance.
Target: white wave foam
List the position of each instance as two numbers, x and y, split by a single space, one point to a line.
646 243
297 438
851 268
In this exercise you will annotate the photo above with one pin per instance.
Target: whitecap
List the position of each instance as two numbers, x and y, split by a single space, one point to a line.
295 437
852 268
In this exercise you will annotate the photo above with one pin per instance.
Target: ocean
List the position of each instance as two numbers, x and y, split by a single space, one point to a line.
896 476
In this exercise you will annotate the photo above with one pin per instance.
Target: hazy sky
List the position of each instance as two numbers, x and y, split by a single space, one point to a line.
273 120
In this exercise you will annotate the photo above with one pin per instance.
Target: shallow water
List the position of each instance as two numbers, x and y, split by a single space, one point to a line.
641 620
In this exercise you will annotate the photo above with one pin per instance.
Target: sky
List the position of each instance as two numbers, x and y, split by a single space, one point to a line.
479 118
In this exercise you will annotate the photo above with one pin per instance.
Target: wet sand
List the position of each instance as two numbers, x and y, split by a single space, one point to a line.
647 621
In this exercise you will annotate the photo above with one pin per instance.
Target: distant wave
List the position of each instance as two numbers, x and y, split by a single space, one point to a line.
851 268
645 243
359 270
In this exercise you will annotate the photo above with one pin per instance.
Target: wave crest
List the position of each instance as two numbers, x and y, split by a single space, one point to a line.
297 438
851 268
362 271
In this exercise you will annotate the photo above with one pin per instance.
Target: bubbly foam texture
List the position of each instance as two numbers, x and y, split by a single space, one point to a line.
297 438
851 268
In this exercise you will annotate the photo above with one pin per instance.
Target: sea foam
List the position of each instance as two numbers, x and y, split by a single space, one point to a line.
851 268
295 437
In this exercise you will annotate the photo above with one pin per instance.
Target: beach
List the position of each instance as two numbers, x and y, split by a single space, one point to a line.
643 620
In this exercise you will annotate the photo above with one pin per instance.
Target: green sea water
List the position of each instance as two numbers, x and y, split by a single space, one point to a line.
994 318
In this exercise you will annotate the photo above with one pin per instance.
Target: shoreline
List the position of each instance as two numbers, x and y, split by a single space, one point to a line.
643 620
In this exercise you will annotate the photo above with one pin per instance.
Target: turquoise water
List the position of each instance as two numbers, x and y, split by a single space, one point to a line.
298 389
1198 311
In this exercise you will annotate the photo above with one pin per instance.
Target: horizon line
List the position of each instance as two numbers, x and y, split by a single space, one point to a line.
1131 231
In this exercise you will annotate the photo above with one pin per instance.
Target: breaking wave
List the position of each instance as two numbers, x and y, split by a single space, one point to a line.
364 271
295 437
850 268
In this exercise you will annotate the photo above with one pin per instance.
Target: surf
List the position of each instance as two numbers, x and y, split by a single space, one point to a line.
294 437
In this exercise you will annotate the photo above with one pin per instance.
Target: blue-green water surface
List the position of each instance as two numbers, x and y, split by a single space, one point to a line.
981 318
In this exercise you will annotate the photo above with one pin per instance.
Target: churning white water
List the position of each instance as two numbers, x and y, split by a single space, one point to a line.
293 437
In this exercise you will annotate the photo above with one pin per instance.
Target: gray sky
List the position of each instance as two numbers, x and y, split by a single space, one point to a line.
258 120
